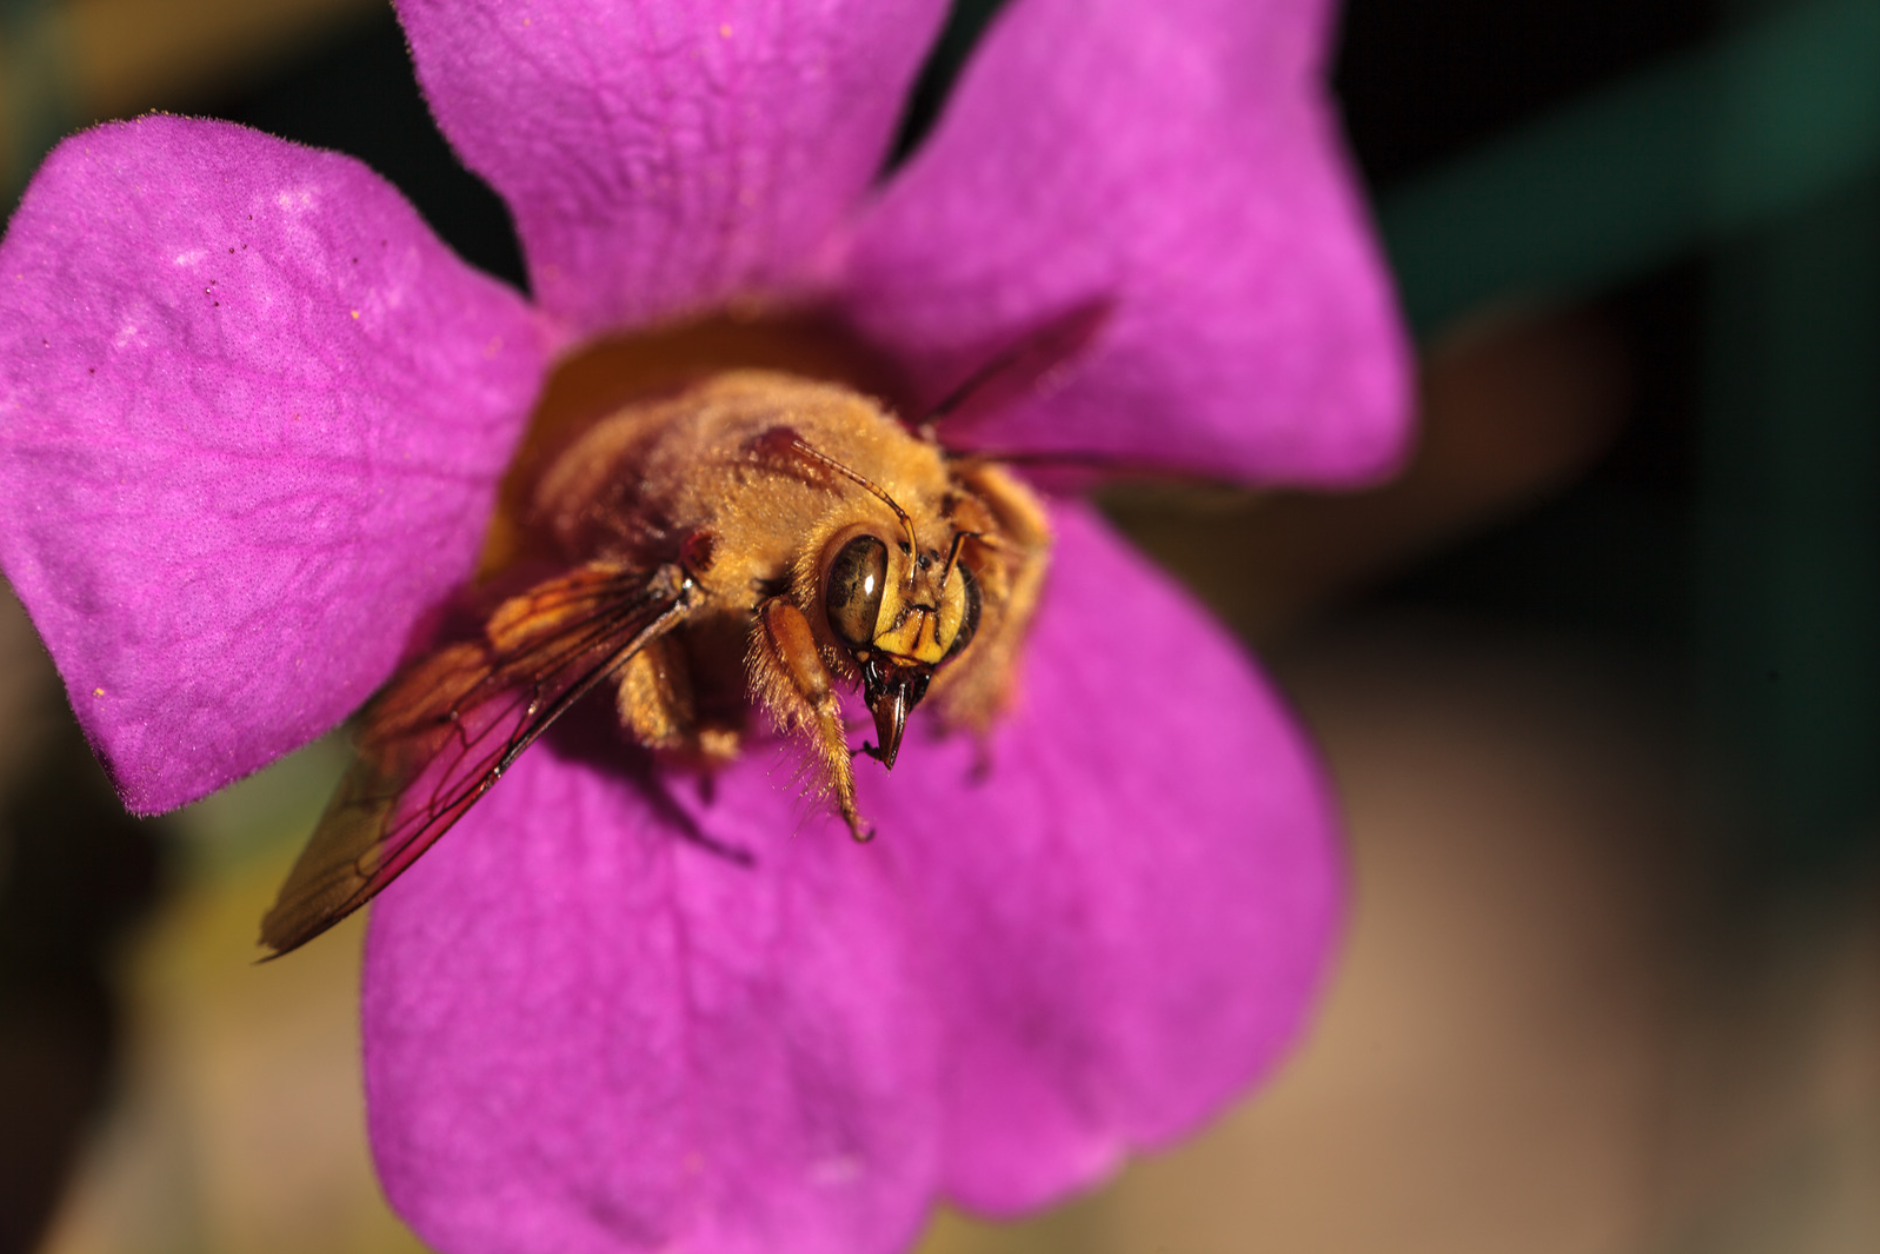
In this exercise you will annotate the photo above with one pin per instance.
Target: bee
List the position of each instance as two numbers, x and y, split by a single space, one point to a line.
758 540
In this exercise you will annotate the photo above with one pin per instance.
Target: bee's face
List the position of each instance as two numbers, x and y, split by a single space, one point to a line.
899 613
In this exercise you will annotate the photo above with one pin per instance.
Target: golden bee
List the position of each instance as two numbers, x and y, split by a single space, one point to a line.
757 540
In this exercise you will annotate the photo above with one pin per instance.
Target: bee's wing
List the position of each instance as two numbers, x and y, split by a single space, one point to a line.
447 728
1023 368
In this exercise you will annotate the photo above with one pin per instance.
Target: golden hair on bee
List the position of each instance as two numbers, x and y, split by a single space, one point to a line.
756 541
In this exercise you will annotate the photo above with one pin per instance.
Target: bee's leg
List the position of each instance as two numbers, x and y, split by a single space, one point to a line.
659 703
655 696
1013 542
789 676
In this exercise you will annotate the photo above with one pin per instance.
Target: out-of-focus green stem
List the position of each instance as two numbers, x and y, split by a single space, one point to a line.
1778 113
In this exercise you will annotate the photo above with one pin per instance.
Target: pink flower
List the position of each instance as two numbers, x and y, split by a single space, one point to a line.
252 419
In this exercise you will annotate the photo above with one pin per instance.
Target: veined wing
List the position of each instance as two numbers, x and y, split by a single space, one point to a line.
446 729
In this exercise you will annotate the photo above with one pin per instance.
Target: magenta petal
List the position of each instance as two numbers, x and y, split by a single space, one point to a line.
666 156
251 417
1179 159
1131 915
587 1032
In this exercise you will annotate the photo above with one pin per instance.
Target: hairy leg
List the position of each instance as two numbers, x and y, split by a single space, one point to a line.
789 676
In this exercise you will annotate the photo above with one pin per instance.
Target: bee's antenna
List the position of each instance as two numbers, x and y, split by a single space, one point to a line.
795 443
953 557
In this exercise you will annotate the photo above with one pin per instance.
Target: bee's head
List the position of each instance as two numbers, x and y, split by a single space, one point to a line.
900 612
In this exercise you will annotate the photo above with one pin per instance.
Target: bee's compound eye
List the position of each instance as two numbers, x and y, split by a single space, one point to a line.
969 616
852 590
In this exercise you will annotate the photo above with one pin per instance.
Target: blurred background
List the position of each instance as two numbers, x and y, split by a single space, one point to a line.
1597 676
